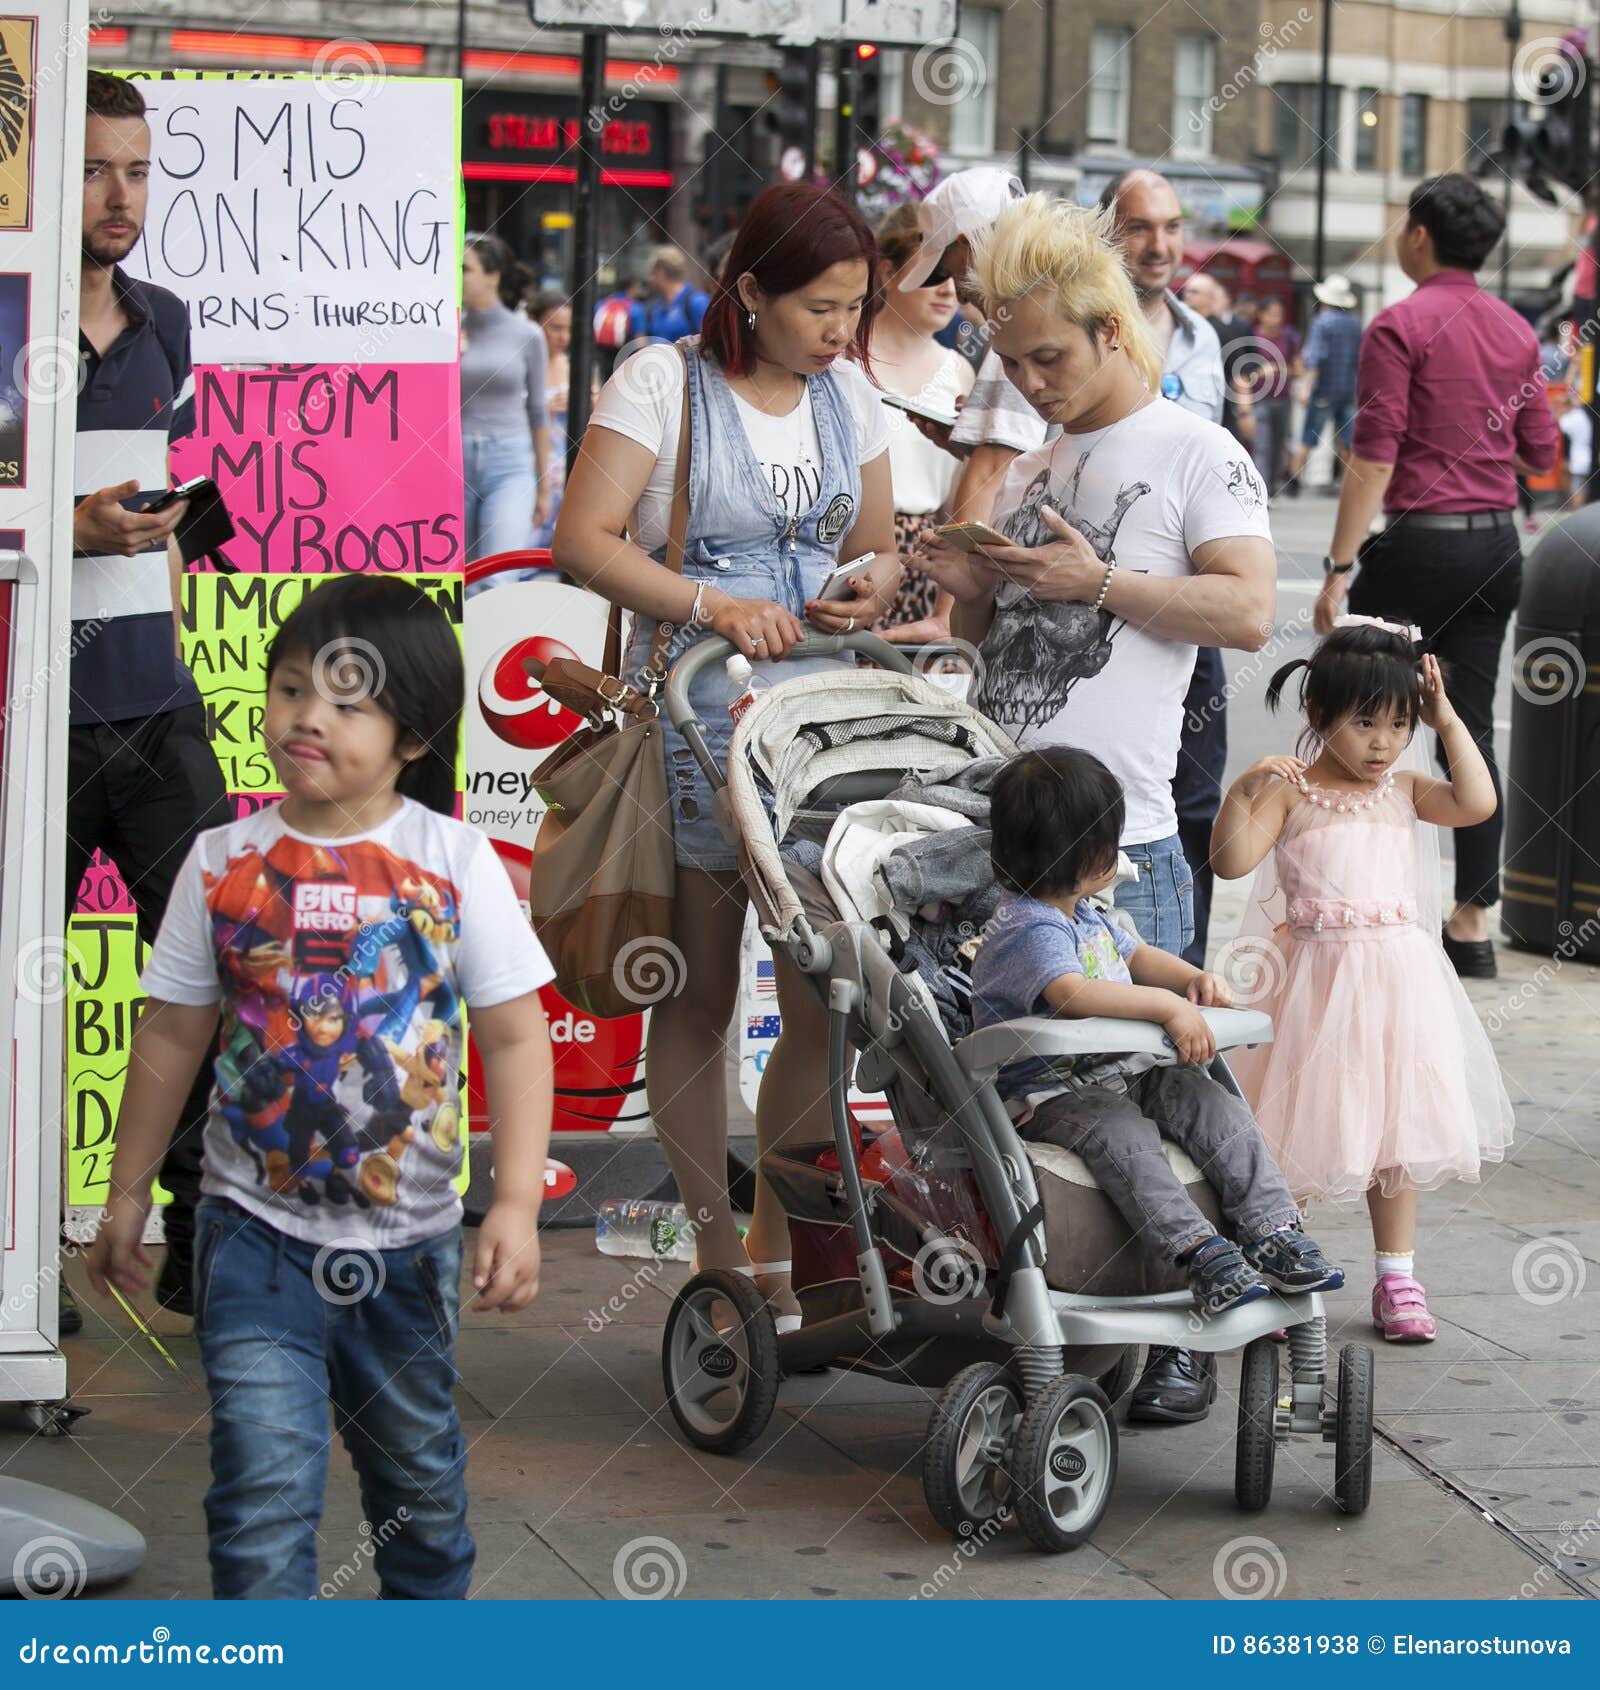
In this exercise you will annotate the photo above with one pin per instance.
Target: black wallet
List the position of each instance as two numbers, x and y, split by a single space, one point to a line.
206 528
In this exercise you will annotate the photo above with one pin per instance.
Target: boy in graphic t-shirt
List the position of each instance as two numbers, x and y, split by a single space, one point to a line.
341 933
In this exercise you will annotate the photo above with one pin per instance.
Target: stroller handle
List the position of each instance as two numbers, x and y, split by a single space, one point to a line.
680 712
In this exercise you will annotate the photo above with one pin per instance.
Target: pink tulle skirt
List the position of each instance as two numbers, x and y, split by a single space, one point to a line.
1379 1074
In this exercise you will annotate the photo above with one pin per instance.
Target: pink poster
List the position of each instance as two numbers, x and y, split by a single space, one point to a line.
330 469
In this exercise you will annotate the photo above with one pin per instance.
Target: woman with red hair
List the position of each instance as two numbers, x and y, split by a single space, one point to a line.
787 473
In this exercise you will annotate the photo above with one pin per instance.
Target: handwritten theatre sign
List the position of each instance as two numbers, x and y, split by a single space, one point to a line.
302 220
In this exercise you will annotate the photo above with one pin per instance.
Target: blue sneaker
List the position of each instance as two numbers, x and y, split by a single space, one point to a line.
1221 1278
1290 1261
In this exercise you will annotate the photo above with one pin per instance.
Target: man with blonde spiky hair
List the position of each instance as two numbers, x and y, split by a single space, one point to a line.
1138 535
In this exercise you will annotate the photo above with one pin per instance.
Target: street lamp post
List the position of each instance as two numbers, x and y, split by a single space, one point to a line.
1323 138
1513 38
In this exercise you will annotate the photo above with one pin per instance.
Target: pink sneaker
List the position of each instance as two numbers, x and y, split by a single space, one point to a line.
1400 1310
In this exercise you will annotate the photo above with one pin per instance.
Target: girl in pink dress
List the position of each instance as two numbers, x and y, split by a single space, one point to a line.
1379 1079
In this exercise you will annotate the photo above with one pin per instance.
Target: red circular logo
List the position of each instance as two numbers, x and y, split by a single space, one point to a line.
559 1179
515 706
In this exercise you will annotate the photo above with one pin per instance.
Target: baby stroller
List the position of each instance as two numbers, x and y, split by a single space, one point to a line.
948 1254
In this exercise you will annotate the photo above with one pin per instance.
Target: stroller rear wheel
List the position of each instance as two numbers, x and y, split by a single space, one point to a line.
1352 1435
1064 1462
719 1361
1256 1446
965 1463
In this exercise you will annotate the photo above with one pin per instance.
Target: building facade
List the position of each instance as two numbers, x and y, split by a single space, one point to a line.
1222 95
1416 87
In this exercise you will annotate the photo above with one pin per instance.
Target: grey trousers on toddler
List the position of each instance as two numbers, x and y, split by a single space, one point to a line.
1118 1134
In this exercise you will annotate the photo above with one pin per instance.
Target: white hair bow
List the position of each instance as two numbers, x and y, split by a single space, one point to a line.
1409 630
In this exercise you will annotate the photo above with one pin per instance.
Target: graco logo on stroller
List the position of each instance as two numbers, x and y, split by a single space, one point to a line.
1069 1464
717 1361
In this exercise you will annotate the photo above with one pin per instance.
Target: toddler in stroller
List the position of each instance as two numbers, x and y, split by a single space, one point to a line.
947 1254
1055 818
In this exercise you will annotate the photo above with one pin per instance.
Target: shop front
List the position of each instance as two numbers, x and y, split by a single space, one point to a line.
1244 266
519 153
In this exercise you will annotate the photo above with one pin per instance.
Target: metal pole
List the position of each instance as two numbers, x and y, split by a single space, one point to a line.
461 39
1039 140
1513 36
585 239
1322 138
813 79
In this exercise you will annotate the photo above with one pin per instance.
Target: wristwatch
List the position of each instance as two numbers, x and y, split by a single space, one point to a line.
1329 567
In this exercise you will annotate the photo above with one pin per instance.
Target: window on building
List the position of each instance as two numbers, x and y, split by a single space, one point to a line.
1413 134
1295 108
1367 130
1194 75
1486 122
1110 67
972 117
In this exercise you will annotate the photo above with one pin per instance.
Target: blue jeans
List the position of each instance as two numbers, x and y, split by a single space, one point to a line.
276 1350
499 488
1320 412
1161 900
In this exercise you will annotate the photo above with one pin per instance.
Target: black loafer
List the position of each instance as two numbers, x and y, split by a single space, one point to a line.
1176 1388
1472 959
69 1317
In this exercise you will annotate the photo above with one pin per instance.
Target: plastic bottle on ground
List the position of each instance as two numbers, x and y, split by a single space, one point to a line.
636 1226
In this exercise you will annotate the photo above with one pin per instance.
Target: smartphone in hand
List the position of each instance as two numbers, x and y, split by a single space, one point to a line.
837 586
971 536
173 495
920 408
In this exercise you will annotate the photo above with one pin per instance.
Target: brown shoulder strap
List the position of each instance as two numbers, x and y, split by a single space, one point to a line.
677 540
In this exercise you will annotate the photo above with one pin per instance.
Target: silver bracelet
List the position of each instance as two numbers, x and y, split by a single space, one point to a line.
1105 584
694 615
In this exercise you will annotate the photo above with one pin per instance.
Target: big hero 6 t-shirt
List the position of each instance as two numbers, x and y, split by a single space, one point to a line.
341 967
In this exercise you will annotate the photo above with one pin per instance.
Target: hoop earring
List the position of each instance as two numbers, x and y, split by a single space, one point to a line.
751 319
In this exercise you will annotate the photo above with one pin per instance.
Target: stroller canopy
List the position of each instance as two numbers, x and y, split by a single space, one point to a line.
810 731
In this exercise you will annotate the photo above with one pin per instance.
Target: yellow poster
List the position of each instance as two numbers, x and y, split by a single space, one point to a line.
17 64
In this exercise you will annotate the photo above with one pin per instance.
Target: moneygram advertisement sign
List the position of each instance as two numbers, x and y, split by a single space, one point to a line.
511 726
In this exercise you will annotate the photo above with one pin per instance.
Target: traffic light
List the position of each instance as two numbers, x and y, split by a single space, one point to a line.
868 93
791 114
1554 145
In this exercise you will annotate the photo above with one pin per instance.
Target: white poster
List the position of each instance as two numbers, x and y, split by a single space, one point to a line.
307 220
688 17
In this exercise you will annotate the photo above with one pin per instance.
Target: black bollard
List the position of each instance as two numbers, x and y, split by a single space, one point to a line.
1551 902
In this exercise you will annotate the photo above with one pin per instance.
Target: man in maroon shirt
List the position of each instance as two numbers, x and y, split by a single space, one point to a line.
1450 407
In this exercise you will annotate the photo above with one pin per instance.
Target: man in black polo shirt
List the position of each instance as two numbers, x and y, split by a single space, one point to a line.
142 777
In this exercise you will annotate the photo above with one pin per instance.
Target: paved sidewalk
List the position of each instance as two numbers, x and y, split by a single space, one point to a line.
1487 1479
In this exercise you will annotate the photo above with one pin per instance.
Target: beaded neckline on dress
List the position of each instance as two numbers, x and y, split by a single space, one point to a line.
1348 803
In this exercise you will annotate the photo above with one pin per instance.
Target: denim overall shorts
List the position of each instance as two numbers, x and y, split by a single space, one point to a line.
741 539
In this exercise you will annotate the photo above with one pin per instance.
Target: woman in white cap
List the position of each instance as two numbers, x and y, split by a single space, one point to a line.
996 423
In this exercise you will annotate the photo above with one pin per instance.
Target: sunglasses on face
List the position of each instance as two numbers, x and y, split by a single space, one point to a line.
941 272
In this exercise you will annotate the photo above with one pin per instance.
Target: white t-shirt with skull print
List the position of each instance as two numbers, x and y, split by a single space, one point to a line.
1146 491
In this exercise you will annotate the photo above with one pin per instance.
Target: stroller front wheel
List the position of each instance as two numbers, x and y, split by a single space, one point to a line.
1064 1463
1256 1445
719 1361
965 1463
